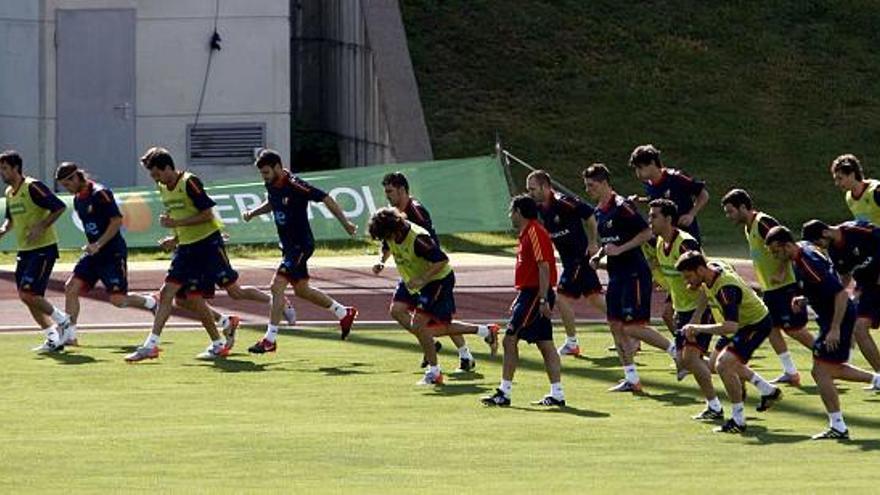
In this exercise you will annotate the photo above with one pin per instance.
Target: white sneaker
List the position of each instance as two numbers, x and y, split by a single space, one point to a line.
431 378
48 347
569 349
290 315
212 353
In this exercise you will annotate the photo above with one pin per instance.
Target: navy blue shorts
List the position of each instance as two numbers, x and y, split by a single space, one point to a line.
436 300
703 340
578 279
33 269
628 298
868 304
841 354
747 339
778 301
199 266
526 321
110 268
293 265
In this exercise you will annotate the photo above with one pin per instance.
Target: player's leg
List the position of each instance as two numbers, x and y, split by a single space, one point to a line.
425 335
728 366
541 333
866 343
520 312
571 347
692 359
294 267
269 341
823 374
218 347
165 302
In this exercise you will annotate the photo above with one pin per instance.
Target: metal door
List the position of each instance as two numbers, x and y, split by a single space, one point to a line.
95 92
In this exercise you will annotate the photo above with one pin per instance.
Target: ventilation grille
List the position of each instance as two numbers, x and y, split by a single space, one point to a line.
224 144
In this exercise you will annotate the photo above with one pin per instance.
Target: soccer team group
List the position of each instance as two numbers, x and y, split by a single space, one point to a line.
706 297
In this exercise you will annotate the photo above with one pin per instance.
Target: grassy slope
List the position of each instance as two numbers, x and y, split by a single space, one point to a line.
324 416
757 95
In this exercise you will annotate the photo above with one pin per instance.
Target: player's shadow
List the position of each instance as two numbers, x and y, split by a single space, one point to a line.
227 365
456 389
763 436
70 358
464 376
124 349
344 370
814 390
600 362
574 411
674 399
866 445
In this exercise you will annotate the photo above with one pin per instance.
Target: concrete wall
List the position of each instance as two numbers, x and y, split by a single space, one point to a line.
249 80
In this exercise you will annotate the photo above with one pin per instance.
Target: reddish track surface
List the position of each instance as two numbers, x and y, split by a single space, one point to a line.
482 293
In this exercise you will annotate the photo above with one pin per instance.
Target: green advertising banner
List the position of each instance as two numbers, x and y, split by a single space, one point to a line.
464 195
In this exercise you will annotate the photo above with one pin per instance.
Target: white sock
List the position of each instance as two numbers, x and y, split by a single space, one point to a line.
556 391
59 316
506 387
464 353
72 332
271 332
836 421
714 404
739 413
671 350
150 302
152 340
483 330
631 374
217 343
876 380
434 369
337 309
51 334
763 386
788 363
572 341
223 321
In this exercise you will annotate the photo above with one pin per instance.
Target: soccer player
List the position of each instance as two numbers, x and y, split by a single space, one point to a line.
564 217
854 250
105 254
288 200
740 312
671 244
622 231
403 303
199 261
862 195
534 278
31 212
836 318
775 278
429 281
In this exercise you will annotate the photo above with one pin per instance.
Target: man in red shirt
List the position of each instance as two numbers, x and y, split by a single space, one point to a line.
530 313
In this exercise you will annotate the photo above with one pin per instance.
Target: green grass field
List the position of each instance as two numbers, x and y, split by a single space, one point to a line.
324 416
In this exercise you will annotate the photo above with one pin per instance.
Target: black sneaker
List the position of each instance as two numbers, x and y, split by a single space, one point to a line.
466 365
549 400
768 400
730 426
496 399
709 414
437 347
832 434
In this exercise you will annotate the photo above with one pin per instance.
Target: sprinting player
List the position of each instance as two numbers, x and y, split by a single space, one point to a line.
862 194
836 318
854 250
403 303
742 315
534 278
199 261
775 278
105 254
288 200
564 217
671 244
31 212
429 280
622 231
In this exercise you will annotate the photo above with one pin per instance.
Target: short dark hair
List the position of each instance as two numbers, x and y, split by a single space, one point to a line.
11 158
643 155
525 205
737 198
267 158
395 179
541 176
690 261
812 230
67 169
848 164
597 171
157 157
667 208
779 233
385 222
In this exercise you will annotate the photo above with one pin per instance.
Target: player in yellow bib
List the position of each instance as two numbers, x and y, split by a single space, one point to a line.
31 211
742 316
671 243
775 279
862 195
426 274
